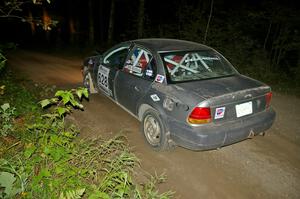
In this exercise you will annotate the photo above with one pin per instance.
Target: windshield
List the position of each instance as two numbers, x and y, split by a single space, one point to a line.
196 65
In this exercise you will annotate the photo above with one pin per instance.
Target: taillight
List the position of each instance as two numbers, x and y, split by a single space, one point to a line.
268 99
200 115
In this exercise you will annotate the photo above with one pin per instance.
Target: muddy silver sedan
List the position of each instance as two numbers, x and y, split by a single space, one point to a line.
183 93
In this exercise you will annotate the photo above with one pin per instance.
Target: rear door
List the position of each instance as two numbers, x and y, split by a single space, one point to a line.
135 79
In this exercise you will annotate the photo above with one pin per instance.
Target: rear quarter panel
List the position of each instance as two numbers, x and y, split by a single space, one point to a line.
174 102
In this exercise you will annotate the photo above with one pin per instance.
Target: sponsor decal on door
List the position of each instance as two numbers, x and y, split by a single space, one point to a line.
102 79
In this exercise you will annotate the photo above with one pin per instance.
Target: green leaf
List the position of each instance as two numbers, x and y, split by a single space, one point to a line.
82 91
45 102
29 151
79 93
65 95
5 106
61 110
3 162
99 195
59 93
58 153
50 115
69 134
59 169
45 172
7 180
54 100
47 150
86 92
72 194
74 103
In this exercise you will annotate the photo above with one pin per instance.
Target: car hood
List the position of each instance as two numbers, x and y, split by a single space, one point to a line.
220 86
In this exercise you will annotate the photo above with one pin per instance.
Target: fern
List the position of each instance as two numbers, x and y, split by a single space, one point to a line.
72 194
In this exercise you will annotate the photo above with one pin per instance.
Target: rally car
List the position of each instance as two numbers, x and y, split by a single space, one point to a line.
182 92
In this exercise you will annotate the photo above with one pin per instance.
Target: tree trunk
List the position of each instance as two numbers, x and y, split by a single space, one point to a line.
141 18
273 51
111 22
267 36
281 46
72 30
101 27
71 23
91 23
209 19
30 20
46 25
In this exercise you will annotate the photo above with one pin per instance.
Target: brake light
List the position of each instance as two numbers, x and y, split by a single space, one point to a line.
268 99
200 115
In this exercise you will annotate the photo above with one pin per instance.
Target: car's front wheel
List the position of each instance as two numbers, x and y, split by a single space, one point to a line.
86 81
154 130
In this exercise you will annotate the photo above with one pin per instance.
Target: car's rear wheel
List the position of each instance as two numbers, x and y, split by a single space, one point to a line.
154 130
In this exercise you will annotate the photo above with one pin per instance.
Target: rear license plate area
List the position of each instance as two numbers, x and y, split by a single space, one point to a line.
243 109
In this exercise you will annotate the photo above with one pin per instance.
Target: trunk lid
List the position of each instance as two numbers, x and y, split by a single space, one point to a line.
220 86
230 98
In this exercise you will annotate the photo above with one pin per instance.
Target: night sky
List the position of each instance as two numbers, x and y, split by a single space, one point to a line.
161 18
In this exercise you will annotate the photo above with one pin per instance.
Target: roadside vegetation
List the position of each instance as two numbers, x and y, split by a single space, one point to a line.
42 157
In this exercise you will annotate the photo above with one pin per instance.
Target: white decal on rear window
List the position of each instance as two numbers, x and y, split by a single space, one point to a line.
149 73
220 112
138 62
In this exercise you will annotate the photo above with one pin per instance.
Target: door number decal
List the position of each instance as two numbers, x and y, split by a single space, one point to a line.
102 79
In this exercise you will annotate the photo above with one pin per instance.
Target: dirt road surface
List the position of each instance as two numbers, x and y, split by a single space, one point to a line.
262 167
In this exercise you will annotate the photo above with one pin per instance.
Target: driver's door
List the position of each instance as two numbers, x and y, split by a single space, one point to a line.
113 61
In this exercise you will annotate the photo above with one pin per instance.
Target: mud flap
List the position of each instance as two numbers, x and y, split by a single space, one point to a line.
92 88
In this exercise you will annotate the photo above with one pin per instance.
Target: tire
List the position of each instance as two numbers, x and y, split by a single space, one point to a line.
86 81
154 131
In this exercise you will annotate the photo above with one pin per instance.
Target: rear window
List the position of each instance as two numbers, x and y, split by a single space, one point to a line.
196 65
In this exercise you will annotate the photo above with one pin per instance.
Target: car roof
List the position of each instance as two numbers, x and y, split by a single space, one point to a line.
168 45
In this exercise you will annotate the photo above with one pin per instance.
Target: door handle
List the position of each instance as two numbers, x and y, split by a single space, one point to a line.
136 88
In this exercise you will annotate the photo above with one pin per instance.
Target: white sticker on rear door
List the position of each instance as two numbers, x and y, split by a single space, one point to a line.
220 112
102 79
159 78
155 98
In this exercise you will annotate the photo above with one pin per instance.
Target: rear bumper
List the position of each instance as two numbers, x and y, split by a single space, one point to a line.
213 136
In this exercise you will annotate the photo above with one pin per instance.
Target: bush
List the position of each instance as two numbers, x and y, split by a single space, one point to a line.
6 118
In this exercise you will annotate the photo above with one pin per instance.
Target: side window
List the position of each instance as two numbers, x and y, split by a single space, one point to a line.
141 64
117 57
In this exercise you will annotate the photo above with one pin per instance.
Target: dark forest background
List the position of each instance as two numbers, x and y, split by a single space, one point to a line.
260 37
